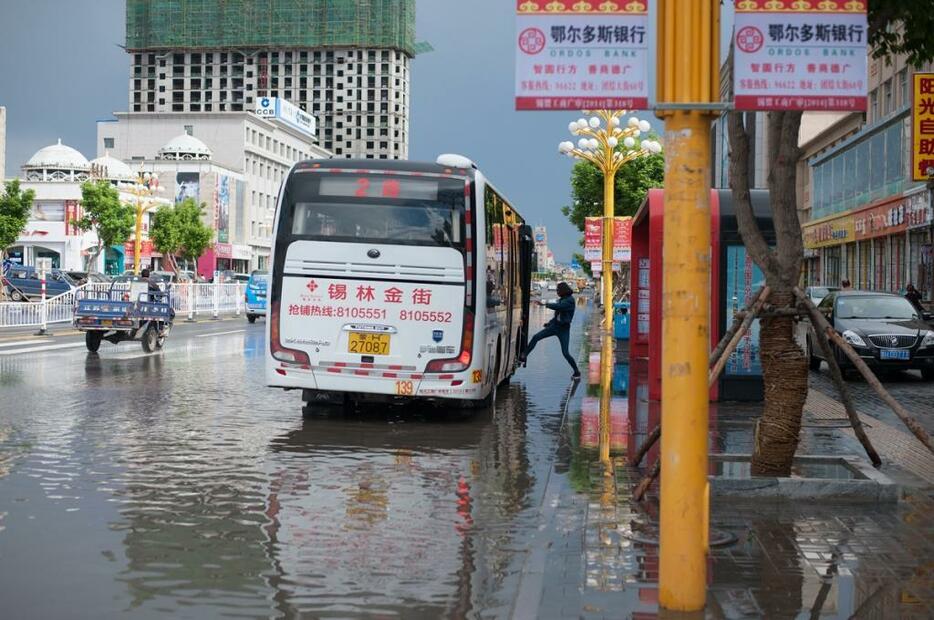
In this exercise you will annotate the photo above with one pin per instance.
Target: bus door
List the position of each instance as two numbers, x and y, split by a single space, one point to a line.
526 254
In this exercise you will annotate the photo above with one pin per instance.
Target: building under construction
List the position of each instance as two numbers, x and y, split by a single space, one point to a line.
344 61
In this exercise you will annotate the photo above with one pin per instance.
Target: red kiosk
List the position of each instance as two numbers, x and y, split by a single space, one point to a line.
734 279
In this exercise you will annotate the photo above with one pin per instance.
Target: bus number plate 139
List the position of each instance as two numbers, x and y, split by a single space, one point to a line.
368 344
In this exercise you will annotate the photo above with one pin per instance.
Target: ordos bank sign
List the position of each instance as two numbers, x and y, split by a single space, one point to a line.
288 113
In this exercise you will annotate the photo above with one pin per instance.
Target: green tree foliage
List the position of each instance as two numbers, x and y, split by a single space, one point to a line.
902 27
178 232
103 212
15 207
633 181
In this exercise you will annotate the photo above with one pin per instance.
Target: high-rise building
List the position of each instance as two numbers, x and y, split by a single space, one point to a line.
346 62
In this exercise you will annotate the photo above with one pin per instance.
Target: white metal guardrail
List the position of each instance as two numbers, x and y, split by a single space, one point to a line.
188 300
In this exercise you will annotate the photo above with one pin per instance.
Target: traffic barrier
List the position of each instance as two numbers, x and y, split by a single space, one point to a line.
188 299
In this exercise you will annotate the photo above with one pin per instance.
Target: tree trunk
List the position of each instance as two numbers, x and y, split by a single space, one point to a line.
785 374
92 258
784 365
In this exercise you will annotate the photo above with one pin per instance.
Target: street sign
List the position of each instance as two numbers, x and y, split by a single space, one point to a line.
922 127
800 55
573 55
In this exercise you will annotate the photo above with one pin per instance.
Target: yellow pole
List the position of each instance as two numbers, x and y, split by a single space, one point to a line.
606 395
609 183
138 241
688 74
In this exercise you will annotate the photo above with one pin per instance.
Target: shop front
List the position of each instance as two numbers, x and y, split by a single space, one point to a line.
829 238
920 216
881 247
884 226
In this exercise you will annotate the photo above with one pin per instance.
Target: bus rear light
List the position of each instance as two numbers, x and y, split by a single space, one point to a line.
462 361
290 357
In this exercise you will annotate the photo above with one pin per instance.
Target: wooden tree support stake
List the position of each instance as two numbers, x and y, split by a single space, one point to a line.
737 321
912 424
646 446
737 335
845 398
646 482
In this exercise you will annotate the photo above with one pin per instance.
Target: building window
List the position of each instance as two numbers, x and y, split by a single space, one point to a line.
873 105
887 102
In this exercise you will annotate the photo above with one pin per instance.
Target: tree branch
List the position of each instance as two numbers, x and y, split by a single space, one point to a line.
739 184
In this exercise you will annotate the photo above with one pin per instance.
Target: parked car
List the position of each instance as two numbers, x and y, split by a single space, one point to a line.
83 277
23 284
255 296
884 329
817 293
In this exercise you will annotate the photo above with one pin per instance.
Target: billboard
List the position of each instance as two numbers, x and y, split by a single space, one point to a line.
800 55
922 127
187 185
743 281
222 207
573 55
287 112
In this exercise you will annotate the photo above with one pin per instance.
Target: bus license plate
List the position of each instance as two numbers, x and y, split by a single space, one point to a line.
894 354
368 344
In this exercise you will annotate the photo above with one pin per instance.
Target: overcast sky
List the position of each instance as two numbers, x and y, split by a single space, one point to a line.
61 69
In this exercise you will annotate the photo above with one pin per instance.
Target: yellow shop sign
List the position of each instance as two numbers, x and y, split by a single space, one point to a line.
830 232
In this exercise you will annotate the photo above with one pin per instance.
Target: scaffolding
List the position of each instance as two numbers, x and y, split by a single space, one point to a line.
264 24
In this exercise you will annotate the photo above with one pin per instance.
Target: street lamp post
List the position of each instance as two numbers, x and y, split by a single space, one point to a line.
608 145
143 191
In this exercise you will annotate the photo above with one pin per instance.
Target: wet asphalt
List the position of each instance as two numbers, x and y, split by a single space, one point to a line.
177 483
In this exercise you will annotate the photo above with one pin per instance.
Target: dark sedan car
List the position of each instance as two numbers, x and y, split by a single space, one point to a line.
884 329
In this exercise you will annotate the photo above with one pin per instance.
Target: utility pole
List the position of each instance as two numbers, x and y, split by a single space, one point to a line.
688 85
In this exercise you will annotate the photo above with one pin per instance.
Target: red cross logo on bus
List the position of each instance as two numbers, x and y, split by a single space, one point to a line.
312 286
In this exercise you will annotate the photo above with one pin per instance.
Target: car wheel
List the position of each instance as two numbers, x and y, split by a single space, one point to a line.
813 361
17 296
927 373
93 340
251 318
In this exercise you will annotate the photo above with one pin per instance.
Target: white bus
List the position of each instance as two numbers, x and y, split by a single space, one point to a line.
396 280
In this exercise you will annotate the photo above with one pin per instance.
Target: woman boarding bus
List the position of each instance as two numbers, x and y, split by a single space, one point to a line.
395 280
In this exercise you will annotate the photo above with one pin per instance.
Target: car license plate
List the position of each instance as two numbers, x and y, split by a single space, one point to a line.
107 323
895 354
363 343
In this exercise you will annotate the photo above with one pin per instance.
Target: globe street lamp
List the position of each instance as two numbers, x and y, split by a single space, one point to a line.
608 143
143 192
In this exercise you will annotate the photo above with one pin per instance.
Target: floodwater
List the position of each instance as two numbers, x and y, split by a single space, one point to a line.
178 484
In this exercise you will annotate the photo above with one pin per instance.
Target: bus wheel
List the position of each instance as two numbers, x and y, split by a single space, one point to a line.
93 340
251 318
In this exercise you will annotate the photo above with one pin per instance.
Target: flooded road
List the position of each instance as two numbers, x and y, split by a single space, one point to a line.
178 484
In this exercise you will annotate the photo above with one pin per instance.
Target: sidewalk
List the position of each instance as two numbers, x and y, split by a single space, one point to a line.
789 560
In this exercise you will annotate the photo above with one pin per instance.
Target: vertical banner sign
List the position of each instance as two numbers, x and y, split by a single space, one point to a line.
574 55
922 127
800 55
71 218
622 239
222 207
593 238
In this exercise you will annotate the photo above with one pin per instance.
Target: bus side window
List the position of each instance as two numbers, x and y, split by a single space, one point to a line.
494 247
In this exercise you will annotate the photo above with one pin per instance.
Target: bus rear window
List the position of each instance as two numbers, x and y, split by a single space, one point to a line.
379 209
